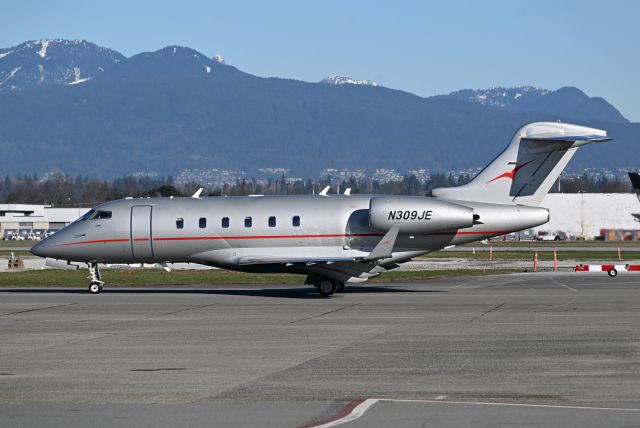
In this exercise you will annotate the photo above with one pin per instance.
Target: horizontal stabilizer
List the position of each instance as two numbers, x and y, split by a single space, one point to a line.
589 138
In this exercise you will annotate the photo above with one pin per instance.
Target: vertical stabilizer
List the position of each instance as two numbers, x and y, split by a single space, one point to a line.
525 171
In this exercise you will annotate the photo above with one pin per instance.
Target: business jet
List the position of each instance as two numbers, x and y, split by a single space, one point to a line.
333 239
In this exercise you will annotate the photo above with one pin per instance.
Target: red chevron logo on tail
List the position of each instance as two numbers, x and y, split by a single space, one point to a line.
510 174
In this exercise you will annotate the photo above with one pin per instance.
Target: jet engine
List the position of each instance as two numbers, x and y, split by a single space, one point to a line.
414 214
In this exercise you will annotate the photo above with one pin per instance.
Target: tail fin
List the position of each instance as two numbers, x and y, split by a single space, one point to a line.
525 171
635 181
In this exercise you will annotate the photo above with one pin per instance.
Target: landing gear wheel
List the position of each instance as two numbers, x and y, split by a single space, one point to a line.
95 288
327 288
612 272
340 288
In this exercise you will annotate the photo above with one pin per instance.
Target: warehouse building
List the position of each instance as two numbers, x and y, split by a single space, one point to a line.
26 221
608 216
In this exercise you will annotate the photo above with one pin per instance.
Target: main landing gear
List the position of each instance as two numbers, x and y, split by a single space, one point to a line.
95 286
328 287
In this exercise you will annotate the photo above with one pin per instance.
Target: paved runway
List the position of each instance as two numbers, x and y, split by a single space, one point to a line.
281 356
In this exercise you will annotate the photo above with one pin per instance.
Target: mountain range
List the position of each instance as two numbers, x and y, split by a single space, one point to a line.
83 109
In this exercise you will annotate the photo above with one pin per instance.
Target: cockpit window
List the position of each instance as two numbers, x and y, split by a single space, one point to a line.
94 215
101 215
86 215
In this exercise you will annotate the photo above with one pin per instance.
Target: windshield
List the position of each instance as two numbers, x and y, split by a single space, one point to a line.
87 215
94 215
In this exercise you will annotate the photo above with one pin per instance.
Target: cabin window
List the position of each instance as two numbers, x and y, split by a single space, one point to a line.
248 222
272 221
296 221
225 222
180 223
202 223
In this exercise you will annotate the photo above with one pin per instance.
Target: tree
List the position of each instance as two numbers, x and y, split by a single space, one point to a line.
58 190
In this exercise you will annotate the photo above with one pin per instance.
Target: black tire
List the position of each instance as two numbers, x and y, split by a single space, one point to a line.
612 272
340 288
95 288
327 287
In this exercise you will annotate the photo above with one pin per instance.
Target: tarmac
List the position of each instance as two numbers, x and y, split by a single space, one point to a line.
543 349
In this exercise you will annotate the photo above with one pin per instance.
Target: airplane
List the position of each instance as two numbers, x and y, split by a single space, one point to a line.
635 183
333 239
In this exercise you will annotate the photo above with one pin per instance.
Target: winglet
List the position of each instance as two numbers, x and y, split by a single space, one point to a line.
198 193
385 247
324 191
347 191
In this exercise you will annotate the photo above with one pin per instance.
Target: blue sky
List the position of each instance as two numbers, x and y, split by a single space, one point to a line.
423 47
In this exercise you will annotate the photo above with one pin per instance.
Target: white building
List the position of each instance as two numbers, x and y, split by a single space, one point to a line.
25 218
584 214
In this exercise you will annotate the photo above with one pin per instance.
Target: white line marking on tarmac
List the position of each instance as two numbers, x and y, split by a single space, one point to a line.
563 285
357 408
354 414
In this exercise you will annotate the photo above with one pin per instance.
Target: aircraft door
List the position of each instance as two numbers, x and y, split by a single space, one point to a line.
141 239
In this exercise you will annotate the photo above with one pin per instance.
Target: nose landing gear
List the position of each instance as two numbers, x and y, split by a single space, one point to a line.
95 286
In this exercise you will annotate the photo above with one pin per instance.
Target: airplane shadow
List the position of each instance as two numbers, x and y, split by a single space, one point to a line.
288 293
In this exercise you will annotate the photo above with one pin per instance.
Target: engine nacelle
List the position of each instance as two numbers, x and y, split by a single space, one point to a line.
415 214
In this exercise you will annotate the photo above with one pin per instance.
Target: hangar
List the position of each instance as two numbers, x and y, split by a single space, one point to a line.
591 215
27 221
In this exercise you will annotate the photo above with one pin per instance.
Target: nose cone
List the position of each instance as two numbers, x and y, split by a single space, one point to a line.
40 249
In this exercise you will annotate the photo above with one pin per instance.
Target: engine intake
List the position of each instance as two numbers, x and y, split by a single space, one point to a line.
415 214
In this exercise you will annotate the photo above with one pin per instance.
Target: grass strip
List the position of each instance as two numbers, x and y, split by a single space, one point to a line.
139 277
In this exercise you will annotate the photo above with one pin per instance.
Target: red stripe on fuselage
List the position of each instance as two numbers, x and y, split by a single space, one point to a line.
230 238
96 241
219 238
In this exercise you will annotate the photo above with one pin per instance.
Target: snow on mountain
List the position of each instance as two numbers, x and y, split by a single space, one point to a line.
344 80
53 62
219 59
170 62
43 49
499 96
565 103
